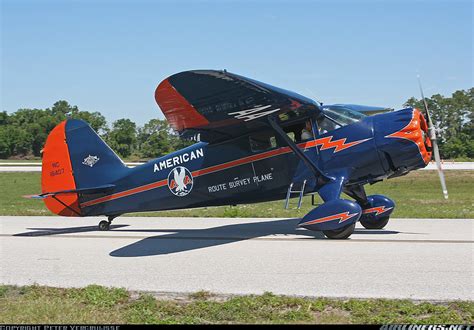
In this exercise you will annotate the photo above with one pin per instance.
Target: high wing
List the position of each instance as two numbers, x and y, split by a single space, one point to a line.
364 109
220 105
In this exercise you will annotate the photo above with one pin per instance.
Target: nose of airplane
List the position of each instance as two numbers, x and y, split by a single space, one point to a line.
402 139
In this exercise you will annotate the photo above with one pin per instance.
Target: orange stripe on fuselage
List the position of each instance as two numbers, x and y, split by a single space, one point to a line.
208 170
126 193
242 161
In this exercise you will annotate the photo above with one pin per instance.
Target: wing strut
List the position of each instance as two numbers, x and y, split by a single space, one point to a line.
308 162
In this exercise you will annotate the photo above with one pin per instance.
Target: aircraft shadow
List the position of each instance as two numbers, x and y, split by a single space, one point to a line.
181 240
192 239
57 231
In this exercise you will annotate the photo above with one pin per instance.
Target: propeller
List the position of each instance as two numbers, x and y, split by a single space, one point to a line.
432 132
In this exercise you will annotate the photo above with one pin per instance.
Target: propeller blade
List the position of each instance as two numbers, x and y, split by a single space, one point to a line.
434 142
440 169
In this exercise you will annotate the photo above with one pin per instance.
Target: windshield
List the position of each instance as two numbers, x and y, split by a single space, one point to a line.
343 116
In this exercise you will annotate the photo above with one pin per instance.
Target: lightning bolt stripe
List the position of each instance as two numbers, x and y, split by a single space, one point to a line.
341 216
378 209
339 145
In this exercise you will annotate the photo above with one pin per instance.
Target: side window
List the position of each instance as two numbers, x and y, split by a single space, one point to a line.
291 135
262 142
273 142
294 132
325 125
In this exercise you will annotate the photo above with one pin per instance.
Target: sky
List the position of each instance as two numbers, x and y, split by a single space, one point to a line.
109 56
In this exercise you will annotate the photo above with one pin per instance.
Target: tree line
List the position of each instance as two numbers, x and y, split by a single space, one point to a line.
23 133
454 121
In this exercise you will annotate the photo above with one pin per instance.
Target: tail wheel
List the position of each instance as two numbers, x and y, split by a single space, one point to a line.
342 233
379 224
104 225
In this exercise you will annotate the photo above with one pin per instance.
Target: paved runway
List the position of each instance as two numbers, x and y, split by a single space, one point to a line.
412 258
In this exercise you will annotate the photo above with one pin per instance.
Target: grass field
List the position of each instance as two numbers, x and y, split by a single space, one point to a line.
416 195
96 304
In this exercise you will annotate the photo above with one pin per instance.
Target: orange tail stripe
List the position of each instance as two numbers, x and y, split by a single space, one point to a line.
56 174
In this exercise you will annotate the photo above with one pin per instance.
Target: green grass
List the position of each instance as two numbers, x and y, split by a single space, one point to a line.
416 195
97 304
32 160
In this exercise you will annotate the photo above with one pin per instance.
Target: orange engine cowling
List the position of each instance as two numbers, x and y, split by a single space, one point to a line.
402 140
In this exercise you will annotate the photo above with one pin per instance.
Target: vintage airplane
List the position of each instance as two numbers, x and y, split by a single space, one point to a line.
256 143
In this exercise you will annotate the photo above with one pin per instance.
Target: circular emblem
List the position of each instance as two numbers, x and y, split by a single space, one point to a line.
180 181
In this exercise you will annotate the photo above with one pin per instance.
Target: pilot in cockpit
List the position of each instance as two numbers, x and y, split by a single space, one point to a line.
307 132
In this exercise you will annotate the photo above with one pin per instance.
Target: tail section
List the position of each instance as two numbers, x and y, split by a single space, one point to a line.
76 161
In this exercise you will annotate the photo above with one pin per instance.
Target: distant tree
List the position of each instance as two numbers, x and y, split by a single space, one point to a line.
453 119
94 119
32 125
62 109
3 118
24 132
4 145
14 141
457 147
122 138
155 139
179 143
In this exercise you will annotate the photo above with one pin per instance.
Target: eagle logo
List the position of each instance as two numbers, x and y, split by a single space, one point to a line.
180 181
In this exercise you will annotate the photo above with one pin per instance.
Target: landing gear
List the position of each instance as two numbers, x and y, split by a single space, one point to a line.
342 233
376 208
104 225
379 224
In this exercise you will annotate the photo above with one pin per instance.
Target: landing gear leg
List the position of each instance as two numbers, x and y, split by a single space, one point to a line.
358 193
104 225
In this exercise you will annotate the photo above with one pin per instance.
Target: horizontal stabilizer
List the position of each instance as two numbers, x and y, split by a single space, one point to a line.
85 191
34 196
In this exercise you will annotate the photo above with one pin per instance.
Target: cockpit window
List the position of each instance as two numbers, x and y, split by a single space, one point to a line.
335 117
343 116
326 124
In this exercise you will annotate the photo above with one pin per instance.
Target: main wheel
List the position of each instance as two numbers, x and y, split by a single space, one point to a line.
104 225
379 224
342 233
